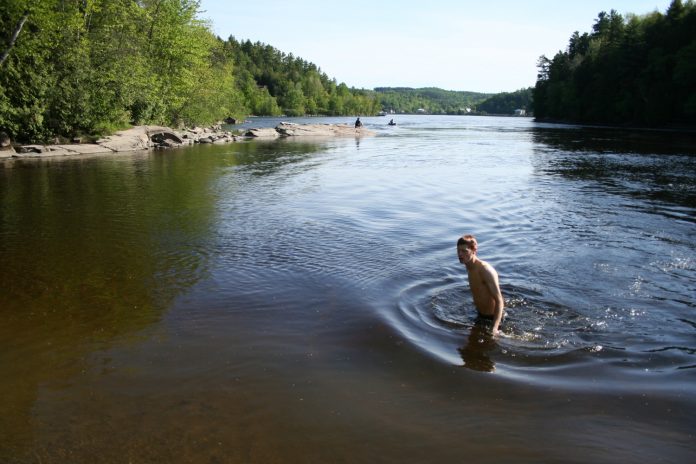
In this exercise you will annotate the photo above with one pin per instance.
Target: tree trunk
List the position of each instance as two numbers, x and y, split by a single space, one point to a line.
20 25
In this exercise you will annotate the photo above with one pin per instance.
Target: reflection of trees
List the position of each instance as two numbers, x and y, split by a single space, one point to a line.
263 157
476 352
91 250
643 164
613 140
94 250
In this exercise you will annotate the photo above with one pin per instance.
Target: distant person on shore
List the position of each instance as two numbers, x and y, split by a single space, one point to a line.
358 123
483 282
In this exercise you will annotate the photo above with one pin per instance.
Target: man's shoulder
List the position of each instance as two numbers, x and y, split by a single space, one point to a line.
487 268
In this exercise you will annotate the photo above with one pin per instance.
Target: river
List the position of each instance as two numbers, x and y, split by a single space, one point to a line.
301 300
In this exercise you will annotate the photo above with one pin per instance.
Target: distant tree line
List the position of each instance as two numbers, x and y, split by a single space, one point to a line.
634 70
507 102
431 100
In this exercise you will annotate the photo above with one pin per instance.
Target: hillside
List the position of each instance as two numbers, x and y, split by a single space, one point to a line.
431 100
507 102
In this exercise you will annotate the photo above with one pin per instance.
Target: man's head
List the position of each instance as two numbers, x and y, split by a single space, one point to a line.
466 248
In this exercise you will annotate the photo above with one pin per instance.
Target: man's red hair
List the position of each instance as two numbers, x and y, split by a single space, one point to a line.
468 241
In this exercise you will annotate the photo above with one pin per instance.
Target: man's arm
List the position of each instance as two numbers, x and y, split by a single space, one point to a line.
490 279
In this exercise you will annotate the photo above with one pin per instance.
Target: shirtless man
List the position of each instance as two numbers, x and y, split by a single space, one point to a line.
483 281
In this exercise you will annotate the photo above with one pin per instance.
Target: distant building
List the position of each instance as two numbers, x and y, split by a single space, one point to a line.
520 112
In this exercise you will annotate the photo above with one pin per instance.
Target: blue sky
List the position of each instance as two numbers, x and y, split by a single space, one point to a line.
480 46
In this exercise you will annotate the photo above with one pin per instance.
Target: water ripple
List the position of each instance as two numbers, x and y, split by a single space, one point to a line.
539 335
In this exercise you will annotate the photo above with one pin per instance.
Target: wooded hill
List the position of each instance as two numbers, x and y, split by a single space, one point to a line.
638 70
431 100
507 102
273 83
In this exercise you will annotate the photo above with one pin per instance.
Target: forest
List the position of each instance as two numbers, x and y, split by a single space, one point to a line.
71 67
274 83
633 70
74 67
507 102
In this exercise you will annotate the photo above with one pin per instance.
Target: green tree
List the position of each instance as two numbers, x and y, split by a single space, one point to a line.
633 70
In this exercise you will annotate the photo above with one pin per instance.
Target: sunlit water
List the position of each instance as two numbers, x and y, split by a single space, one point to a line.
302 301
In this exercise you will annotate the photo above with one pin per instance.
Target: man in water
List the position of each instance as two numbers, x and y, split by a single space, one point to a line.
483 281
358 123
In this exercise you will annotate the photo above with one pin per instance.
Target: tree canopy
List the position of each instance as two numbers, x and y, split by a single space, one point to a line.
635 70
91 66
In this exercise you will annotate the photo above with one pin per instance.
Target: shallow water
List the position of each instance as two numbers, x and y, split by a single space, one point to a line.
302 301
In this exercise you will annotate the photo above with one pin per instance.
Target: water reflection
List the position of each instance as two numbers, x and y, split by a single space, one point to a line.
647 165
94 251
476 354
614 140
265 157
91 251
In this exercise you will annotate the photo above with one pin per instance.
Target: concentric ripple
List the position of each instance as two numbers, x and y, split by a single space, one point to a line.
539 335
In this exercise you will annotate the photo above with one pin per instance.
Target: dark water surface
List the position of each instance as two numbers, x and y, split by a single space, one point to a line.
302 301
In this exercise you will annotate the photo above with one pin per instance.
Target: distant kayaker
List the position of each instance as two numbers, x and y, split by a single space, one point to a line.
392 123
483 282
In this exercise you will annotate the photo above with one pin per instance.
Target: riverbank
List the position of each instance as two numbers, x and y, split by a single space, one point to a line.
134 139
140 138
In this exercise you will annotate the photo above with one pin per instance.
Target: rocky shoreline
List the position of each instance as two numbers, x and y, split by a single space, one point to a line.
157 137
134 139
289 129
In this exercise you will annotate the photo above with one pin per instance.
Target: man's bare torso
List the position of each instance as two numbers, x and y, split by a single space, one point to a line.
483 299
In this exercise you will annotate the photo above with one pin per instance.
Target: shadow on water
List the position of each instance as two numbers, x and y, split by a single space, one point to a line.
648 165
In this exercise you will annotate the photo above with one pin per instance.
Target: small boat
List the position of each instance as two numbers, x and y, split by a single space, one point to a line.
382 113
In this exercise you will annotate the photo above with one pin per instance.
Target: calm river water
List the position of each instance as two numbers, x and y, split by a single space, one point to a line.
302 301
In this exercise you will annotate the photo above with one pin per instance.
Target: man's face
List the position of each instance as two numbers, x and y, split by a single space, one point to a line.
465 254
